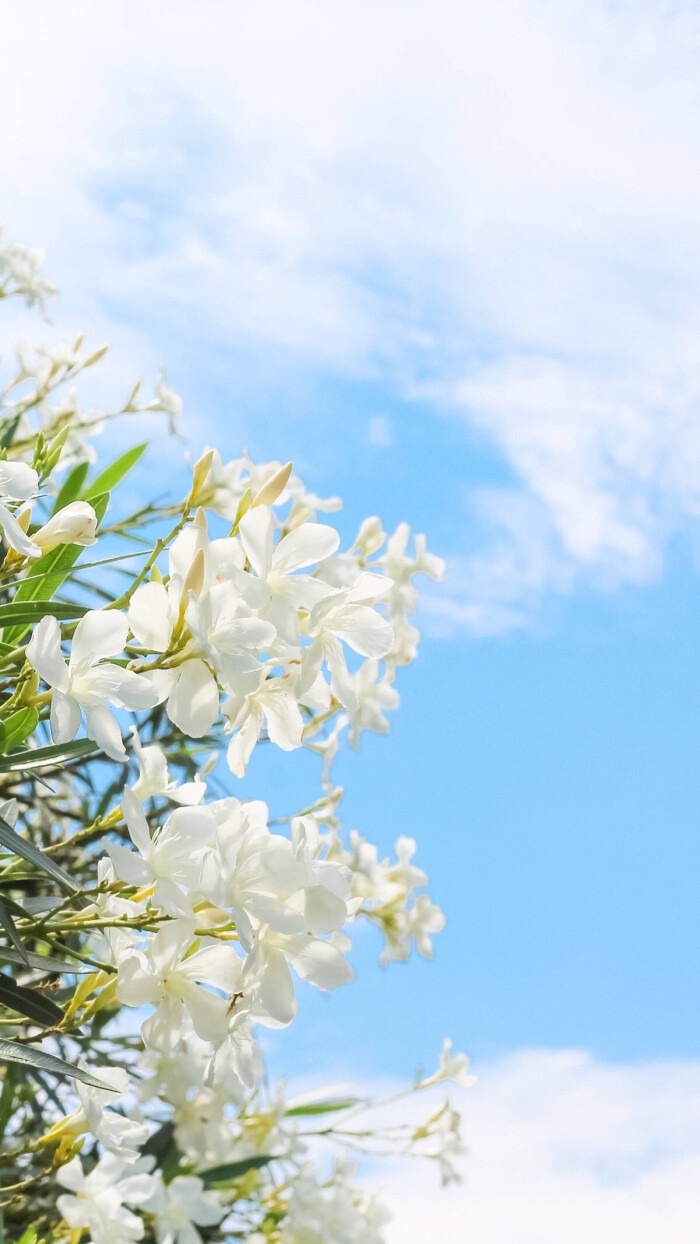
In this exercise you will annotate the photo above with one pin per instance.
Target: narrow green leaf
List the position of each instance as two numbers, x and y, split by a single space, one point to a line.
8 434
22 847
72 486
228 1172
8 925
18 727
7 1098
46 757
322 1107
32 906
55 567
115 472
27 612
42 963
29 1002
160 1142
13 1052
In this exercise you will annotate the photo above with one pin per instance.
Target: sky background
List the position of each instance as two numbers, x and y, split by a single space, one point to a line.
446 258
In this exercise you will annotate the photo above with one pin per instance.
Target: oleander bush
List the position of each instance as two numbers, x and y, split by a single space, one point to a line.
151 920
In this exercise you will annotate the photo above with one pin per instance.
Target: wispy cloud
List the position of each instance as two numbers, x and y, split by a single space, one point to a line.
491 205
565 1148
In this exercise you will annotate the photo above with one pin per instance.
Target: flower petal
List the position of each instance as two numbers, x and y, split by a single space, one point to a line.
193 705
18 482
104 730
136 822
101 633
15 536
257 529
44 653
306 545
65 717
150 616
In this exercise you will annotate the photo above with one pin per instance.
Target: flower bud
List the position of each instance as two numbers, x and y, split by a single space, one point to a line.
200 471
274 487
370 537
74 524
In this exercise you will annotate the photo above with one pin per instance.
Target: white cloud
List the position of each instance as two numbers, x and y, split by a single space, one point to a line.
565 1150
493 205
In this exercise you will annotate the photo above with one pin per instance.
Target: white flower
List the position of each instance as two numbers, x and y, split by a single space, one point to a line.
275 565
373 697
346 615
74 524
253 873
180 1207
99 1203
154 778
270 701
21 264
167 400
171 980
225 632
316 960
405 926
451 1066
87 681
116 1132
18 482
332 1212
171 859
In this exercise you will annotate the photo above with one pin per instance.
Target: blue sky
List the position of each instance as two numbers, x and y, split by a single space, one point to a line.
446 259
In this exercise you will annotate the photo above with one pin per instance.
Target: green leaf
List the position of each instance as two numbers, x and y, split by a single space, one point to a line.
18 727
218 1176
29 1002
8 434
51 572
322 1107
8 925
42 963
26 612
7 1098
36 905
158 1144
114 474
22 847
13 1052
72 486
46 757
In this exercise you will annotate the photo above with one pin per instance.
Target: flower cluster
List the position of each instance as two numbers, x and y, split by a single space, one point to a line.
154 916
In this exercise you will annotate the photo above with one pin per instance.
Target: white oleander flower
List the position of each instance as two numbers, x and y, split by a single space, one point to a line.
454 1067
154 778
18 482
167 400
117 1133
167 977
21 264
270 702
346 615
276 563
87 681
99 1203
317 961
180 1207
226 634
373 697
333 1212
170 860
